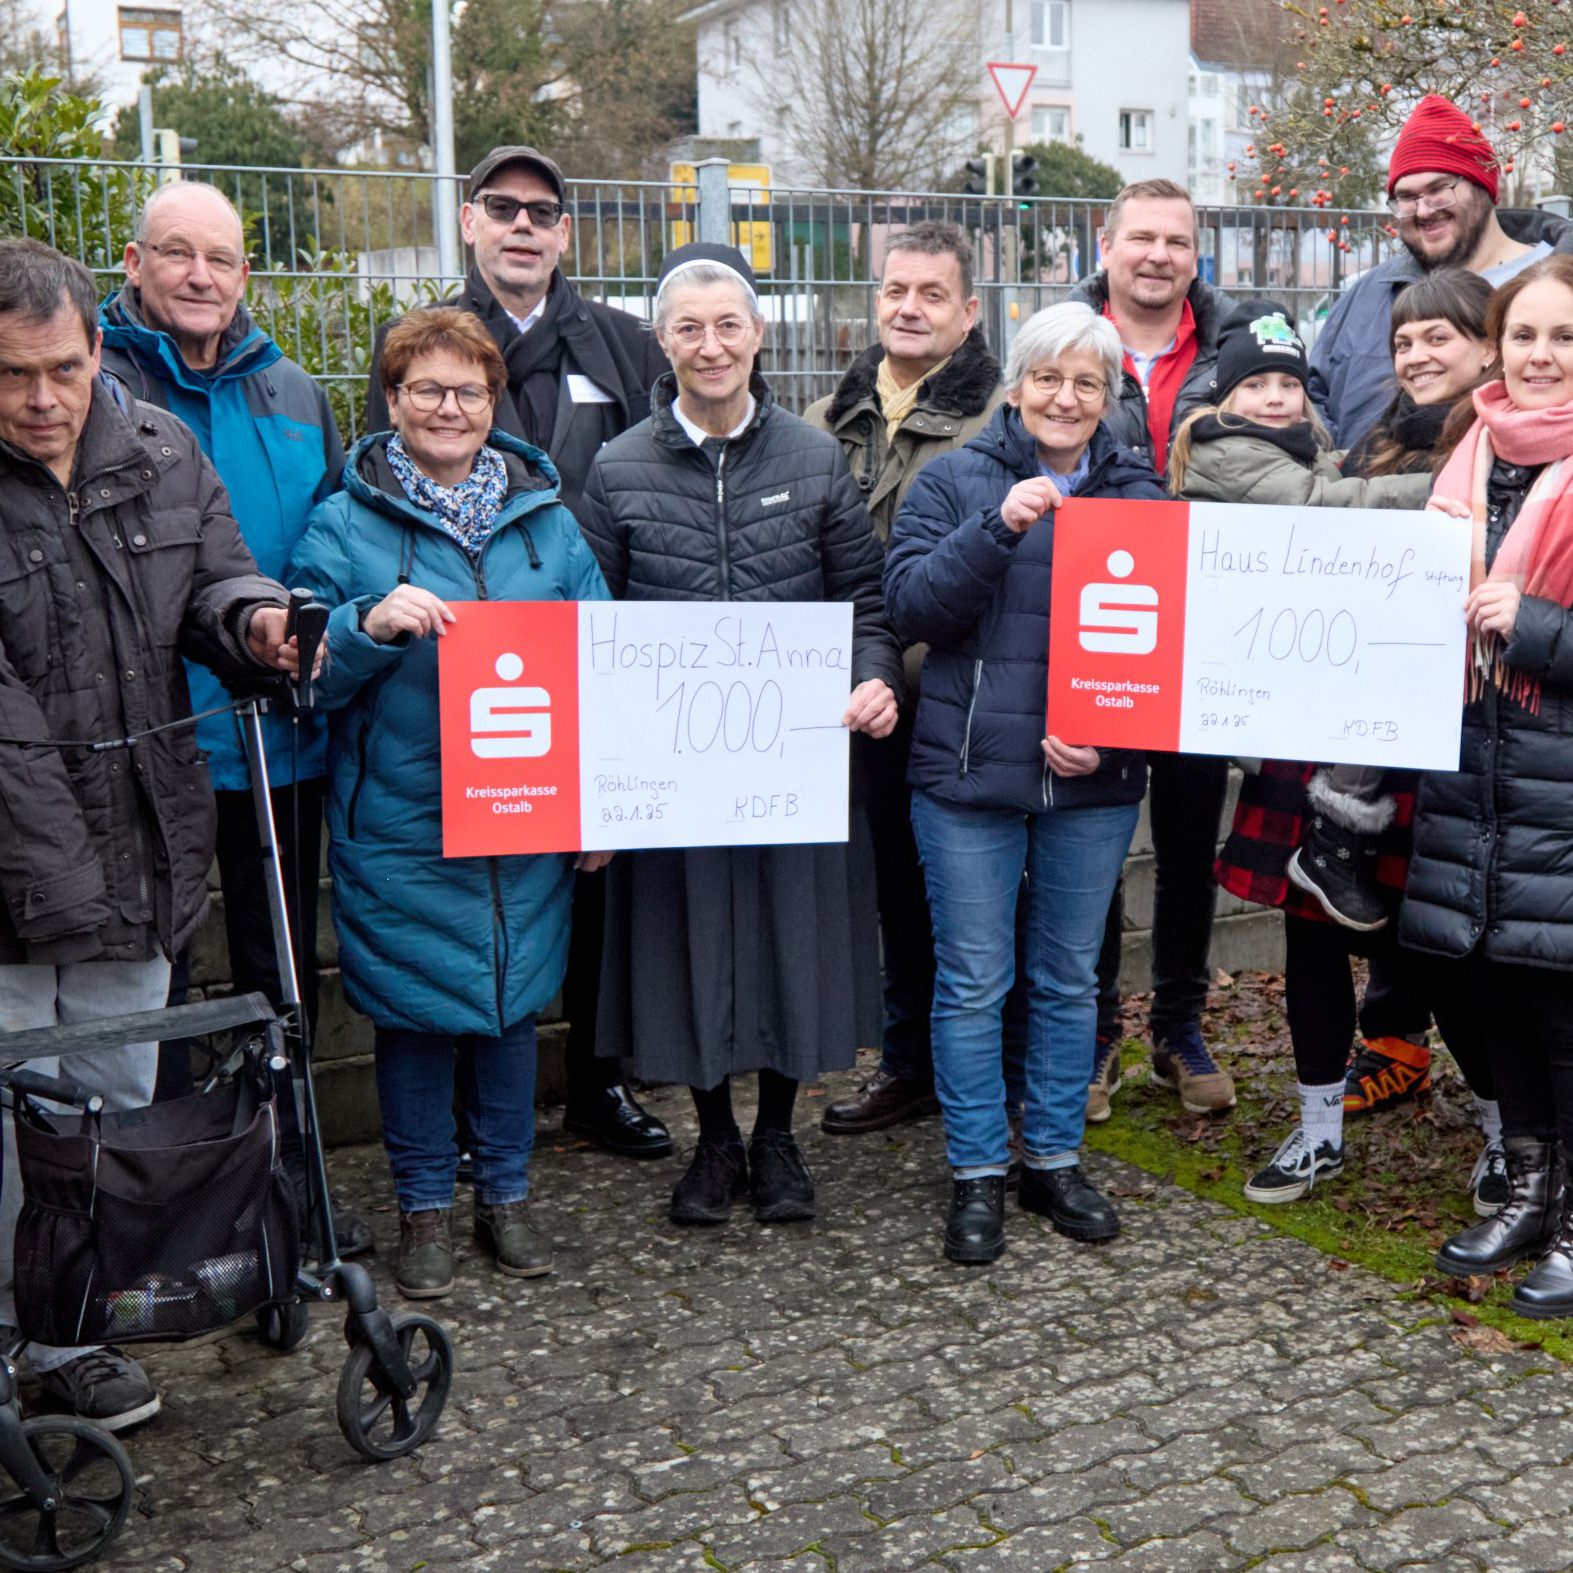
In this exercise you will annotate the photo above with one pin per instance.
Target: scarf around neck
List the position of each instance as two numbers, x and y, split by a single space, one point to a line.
1536 554
895 402
468 511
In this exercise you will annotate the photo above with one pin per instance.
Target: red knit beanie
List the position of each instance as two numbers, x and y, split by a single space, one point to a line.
1440 136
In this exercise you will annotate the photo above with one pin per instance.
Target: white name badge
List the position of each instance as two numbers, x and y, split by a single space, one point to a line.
583 391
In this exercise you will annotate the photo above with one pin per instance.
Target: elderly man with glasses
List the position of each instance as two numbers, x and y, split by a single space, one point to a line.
579 374
1442 188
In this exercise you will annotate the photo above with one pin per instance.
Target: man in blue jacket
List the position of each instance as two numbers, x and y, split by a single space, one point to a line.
178 335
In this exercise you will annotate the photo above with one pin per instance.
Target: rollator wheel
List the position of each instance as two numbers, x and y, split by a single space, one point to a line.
90 1477
283 1324
376 1421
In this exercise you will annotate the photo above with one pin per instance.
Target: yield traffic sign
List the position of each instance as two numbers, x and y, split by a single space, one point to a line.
1012 82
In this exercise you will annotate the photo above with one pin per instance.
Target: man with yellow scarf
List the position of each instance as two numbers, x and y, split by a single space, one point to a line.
929 385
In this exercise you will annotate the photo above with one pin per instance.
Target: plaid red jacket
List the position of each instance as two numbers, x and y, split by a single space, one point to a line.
1270 822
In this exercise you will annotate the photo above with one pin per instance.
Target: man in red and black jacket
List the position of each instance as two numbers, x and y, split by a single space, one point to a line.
1169 322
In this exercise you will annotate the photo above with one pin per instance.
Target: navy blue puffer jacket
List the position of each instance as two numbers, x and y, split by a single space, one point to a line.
959 578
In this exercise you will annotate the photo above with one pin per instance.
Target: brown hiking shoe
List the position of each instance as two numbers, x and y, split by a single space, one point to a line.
1106 1074
425 1254
1181 1062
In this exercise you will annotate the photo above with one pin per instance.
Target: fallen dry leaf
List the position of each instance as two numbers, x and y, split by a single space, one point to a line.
1485 1340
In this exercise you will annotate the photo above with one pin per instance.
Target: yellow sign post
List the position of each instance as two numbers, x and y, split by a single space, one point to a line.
750 236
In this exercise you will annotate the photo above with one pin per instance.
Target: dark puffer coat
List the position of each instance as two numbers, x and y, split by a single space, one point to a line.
104 586
772 514
978 592
1493 858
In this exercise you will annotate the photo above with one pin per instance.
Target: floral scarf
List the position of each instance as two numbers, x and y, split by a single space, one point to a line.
467 511
1536 554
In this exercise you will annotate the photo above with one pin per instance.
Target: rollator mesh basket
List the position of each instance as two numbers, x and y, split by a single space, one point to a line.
155 1224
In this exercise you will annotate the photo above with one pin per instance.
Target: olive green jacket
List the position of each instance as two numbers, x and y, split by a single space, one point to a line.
1245 468
952 408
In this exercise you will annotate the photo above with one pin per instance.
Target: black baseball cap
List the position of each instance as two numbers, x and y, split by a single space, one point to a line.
538 163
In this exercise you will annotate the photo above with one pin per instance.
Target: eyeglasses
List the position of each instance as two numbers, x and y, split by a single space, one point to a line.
426 397
729 332
1438 198
504 210
222 264
1048 383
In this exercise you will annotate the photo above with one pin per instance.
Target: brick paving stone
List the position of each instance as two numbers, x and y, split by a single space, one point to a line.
837 1398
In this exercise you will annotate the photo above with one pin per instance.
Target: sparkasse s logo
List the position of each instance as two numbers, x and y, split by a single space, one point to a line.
1118 618
513 722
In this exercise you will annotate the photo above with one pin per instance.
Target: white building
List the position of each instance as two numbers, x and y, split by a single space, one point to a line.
1111 73
116 43
1232 48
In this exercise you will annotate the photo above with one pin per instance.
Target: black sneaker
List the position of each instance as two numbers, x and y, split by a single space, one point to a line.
104 1386
717 1175
783 1190
1488 1182
1294 1169
1337 867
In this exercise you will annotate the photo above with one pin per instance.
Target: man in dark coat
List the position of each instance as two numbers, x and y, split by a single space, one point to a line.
1169 322
118 555
927 387
579 373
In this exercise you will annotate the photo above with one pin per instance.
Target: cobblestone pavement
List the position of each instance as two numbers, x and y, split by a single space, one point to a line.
834 1398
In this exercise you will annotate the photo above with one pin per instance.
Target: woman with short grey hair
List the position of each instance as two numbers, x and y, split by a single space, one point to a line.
992 798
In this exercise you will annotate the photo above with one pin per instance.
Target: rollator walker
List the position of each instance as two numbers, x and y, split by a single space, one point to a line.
168 1223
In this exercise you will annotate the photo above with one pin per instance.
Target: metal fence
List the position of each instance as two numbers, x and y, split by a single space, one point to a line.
336 252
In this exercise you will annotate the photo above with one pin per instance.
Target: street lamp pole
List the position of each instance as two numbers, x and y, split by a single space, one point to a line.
445 209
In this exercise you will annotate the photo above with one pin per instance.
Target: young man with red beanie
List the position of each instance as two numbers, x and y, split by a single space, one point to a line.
1442 184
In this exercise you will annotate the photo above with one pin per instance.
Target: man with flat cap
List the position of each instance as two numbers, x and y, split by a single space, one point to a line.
579 374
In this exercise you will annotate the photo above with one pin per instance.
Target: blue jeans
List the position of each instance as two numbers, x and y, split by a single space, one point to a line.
415 1081
973 861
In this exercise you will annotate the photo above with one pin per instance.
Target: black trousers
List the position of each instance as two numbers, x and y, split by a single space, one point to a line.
1524 1018
588 1072
906 934
1185 798
248 927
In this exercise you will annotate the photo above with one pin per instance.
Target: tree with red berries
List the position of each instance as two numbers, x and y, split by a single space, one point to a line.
1360 66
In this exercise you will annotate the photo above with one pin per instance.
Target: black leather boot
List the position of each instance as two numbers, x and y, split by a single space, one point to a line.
1548 1290
975 1229
1071 1202
1527 1222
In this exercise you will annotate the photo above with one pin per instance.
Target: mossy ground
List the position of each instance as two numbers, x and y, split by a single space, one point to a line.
1404 1186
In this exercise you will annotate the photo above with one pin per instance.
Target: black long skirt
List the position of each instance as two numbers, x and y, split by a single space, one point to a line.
724 960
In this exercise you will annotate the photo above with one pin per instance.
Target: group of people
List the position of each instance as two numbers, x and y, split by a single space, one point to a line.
165 471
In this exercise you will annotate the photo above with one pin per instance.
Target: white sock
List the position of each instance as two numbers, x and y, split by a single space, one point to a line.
1322 1113
1490 1118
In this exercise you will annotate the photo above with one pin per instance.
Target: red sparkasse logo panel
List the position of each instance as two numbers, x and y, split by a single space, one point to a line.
508 675
1117 623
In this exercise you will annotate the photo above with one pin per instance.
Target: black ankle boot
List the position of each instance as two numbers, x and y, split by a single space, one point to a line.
1070 1201
1548 1290
1527 1222
975 1229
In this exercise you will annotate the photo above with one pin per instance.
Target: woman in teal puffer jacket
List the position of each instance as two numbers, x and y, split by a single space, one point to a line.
450 957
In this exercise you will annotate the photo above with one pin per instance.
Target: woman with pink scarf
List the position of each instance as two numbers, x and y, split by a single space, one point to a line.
1491 881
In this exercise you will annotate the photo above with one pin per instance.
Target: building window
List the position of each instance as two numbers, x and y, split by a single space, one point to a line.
149 35
734 46
1136 131
783 26
1051 24
1051 124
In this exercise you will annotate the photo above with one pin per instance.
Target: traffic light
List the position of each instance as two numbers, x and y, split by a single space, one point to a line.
1023 175
979 179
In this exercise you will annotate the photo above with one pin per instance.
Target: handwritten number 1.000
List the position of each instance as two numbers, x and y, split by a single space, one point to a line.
737 716
1309 636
